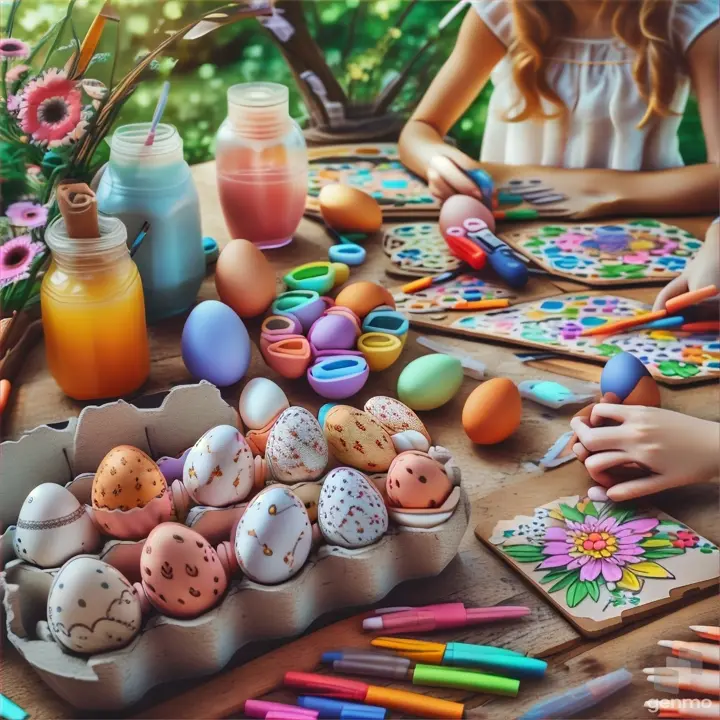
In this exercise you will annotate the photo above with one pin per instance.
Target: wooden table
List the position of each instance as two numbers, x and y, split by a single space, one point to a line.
476 577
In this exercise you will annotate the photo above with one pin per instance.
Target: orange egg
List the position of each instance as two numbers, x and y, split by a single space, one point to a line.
127 478
244 279
492 412
347 209
364 296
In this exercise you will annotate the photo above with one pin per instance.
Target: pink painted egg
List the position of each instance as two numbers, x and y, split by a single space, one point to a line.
181 573
394 416
416 481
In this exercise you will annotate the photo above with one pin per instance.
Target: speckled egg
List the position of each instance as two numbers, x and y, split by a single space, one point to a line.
181 573
92 607
53 526
627 377
219 470
394 416
274 536
415 480
309 494
261 401
126 478
351 511
357 439
296 449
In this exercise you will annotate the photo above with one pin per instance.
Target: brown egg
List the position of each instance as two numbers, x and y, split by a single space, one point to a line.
244 279
492 411
350 210
127 478
363 297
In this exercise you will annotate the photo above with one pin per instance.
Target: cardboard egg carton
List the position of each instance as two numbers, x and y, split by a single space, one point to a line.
168 649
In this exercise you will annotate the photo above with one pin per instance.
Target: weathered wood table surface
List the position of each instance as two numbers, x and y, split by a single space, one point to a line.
475 577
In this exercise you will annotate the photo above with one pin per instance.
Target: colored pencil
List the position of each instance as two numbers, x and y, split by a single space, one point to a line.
139 239
709 632
431 280
703 652
706 682
684 708
481 304
673 305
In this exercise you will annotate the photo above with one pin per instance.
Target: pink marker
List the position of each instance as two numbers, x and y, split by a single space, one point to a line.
264 709
440 617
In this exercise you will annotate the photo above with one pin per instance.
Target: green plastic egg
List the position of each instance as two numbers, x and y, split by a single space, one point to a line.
430 381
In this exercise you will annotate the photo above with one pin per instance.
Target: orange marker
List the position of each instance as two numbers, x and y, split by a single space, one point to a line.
673 305
480 304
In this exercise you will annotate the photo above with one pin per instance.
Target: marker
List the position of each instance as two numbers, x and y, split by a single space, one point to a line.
480 657
708 632
683 678
495 304
580 698
684 708
10 710
261 708
704 652
516 214
444 616
430 281
139 239
410 703
327 708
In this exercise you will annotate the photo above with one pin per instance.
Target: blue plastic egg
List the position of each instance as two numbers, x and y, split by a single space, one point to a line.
215 344
627 378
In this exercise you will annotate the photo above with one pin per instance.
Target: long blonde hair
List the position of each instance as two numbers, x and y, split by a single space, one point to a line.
643 25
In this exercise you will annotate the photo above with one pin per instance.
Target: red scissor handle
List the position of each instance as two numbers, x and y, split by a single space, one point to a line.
464 248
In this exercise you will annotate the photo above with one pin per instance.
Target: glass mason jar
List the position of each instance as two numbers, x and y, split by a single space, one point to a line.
153 183
93 314
262 164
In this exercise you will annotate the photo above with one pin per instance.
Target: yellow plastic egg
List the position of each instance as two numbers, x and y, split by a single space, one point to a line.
492 412
347 209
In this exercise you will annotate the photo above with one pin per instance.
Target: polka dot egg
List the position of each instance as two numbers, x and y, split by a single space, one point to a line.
416 481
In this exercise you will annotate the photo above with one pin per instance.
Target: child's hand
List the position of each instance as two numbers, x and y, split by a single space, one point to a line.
703 270
445 178
671 448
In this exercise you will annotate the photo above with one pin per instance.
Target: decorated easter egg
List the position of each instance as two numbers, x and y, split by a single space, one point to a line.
181 572
92 607
274 536
309 494
333 332
461 210
125 479
357 439
410 440
244 279
363 296
261 401
430 381
492 411
626 377
215 344
53 526
219 469
415 480
351 511
347 209
323 411
296 449
394 416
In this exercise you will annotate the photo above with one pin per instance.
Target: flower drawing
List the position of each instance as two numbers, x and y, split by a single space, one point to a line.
16 72
16 258
10 48
27 214
588 546
50 110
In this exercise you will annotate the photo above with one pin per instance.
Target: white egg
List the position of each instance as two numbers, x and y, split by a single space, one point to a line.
53 526
219 470
274 537
261 401
410 440
351 511
296 448
92 607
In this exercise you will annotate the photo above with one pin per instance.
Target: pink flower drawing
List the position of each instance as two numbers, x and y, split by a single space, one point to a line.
16 72
27 214
11 48
16 259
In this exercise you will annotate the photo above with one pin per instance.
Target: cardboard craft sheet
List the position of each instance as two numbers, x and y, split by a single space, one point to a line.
600 564
554 324
634 252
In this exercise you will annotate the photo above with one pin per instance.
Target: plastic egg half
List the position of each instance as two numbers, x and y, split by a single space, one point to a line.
626 377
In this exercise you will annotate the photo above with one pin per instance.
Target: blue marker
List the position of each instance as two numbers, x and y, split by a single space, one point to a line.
328 708
663 323
11 711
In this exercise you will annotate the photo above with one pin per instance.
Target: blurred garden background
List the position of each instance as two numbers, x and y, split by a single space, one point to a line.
366 43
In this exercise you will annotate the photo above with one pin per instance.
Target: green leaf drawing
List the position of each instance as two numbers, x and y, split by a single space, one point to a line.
608 350
571 513
525 553
576 593
676 368
655 542
555 575
621 514
593 589
659 554
590 509
569 579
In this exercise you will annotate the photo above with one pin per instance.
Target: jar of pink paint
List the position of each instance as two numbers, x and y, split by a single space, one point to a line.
262 165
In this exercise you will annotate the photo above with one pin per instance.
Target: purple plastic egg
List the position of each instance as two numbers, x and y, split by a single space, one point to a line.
338 377
333 332
215 344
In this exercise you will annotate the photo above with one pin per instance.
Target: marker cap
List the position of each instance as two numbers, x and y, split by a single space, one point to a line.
327 708
476 656
440 676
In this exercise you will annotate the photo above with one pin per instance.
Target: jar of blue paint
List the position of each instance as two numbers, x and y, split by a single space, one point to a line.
153 184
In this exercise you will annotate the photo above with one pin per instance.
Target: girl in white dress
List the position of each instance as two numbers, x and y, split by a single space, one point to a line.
584 91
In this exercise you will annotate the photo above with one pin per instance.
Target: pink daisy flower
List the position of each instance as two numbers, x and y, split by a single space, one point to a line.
51 110
13 103
27 214
12 48
16 72
16 259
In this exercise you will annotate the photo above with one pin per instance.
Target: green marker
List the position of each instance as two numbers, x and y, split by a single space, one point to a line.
439 676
